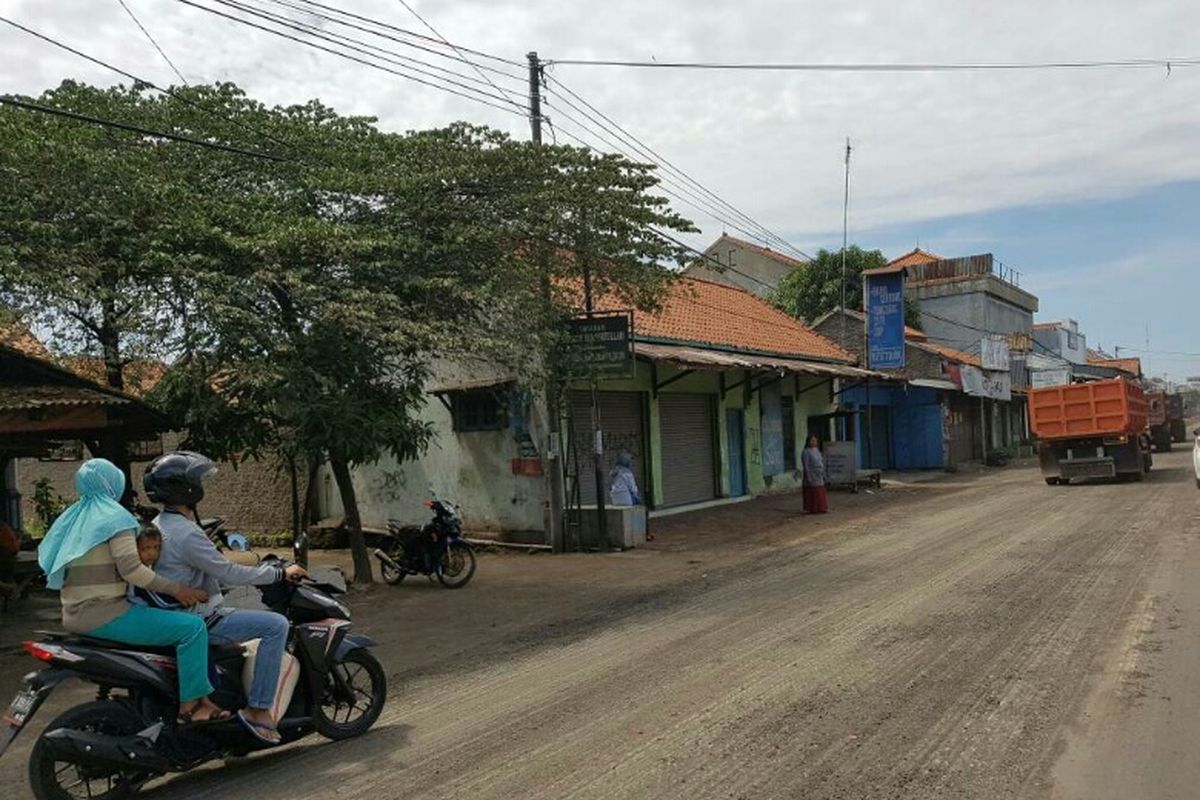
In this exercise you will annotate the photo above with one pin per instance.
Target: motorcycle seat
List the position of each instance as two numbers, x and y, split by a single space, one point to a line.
216 650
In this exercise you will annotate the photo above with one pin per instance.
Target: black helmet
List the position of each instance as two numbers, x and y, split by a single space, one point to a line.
177 479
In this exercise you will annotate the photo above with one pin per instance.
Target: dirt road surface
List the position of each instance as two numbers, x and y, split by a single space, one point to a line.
978 636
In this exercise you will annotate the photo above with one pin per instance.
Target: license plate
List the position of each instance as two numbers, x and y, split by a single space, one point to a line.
20 708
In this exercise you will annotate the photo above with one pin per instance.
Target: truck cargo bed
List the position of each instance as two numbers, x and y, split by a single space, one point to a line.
1114 407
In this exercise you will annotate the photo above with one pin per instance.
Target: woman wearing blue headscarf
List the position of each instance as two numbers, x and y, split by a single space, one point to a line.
90 553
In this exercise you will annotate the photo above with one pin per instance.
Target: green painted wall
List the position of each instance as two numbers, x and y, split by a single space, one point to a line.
805 403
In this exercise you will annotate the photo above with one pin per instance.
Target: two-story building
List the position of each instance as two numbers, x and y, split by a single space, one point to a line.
743 264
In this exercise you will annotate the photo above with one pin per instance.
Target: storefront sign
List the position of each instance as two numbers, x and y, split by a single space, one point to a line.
885 320
1041 378
841 464
599 345
986 383
993 354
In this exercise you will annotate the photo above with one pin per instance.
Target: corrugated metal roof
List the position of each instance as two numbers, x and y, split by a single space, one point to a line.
23 398
699 358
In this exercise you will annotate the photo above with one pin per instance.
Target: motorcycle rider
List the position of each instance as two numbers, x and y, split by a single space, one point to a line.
175 481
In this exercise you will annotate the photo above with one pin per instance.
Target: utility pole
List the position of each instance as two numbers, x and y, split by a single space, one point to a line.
845 226
552 448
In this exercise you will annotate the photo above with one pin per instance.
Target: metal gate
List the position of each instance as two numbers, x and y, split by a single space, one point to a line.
963 422
688 463
621 422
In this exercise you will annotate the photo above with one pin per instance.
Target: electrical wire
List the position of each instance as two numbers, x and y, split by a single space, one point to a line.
108 123
1132 63
161 52
354 45
667 186
604 121
165 90
454 47
506 108
411 33
294 5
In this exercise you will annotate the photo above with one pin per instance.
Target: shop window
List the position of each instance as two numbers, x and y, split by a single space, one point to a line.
788 415
481 410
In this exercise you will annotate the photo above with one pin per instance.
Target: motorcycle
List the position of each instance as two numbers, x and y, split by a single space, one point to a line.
110 747
437 550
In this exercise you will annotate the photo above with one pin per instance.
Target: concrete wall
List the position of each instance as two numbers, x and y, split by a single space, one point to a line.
751 271
1058 341
958 320
253 496
472 469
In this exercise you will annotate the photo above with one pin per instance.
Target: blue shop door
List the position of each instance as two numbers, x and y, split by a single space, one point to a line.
735 437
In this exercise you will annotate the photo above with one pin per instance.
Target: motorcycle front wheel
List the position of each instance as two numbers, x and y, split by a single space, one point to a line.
457 567
355 692
51 779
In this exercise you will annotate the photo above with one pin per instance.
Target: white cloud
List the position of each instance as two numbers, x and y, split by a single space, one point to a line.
926 144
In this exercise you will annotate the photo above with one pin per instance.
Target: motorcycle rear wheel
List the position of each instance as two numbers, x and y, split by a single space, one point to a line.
363 675
457 567
391 575
61 780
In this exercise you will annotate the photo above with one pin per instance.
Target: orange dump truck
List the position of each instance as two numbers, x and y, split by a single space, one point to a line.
1091 430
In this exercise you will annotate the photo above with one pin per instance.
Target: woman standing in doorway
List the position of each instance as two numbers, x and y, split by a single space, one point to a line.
816 499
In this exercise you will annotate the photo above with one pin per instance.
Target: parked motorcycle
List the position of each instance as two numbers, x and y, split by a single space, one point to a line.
436 549
110 747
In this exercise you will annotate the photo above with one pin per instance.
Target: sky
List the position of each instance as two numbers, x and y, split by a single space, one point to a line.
1086 181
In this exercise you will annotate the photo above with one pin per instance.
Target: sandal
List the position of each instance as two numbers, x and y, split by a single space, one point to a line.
267 734
189 718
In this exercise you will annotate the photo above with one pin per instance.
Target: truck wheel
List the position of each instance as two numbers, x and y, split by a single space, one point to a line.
1052 481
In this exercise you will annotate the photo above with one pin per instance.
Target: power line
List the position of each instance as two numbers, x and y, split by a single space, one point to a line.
378 31
364 48
654 155
161 52
1133 63
454 47
138 79
365 62
108 123
407 32
666 185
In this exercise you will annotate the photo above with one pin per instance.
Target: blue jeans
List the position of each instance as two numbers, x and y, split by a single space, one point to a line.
155 626
272 631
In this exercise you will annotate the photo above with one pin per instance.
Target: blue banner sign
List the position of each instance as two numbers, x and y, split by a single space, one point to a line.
885 321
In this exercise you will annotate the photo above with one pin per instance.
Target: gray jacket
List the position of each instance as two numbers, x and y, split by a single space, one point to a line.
190 558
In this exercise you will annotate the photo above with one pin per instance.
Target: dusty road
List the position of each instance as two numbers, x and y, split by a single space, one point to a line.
981 637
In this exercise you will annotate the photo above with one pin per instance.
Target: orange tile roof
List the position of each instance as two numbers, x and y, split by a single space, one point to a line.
762 251
709 313
1132 366
17 336
914 256
140 376
954 355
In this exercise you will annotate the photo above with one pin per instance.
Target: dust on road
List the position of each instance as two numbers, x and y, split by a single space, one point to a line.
944 643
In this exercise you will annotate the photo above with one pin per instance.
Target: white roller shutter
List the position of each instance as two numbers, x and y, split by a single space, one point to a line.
688 462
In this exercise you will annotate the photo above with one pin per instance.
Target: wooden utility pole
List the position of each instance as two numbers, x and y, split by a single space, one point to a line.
551 448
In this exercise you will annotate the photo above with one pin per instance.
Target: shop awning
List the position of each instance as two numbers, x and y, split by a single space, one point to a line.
699 358
935 383
469 384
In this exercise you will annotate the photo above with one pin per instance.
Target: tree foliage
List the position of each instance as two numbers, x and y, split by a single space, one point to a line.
810 291
303 300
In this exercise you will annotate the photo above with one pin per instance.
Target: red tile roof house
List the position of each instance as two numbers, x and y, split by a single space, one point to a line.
715 406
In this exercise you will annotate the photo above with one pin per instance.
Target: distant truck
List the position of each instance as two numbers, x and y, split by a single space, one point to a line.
1177 417
1158 420
1091 430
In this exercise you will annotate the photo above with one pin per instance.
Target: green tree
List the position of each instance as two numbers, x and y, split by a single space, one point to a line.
810 291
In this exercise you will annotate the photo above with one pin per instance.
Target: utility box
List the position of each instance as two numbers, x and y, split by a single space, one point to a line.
626 526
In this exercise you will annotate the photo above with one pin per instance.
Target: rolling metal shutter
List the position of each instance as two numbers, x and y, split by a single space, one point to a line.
622 425
688 463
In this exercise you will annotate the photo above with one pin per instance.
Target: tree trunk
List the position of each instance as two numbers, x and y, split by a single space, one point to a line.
353 523
311 493
113 442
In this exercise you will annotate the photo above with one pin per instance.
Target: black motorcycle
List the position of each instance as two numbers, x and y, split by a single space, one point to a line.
110 747
436 549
